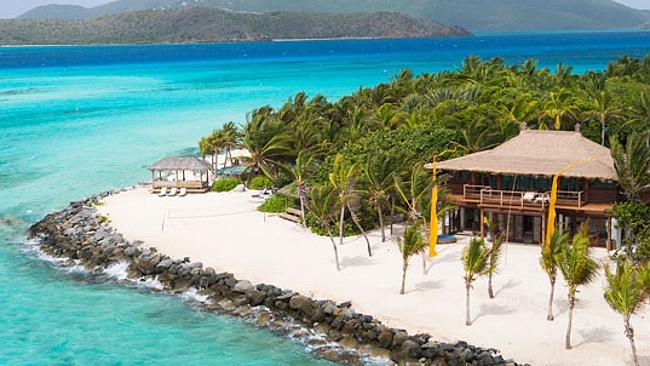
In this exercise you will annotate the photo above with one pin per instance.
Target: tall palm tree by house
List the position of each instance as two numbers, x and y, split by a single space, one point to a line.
266 158
625 293
412 243
475 263
343 179
379 171
632 163
578 269
322 205
601 105
557 108
413 186
549 263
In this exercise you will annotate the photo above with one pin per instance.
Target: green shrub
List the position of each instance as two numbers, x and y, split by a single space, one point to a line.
225 184
274 204
260 182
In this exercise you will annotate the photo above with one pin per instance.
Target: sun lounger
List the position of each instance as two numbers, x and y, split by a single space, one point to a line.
529 196
163 192
172 192
183 192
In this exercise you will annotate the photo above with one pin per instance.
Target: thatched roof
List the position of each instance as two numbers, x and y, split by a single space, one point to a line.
542 153
180 163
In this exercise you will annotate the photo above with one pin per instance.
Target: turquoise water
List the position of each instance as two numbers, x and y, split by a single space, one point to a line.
79 120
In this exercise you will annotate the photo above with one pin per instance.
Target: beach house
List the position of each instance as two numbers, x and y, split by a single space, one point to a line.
511 185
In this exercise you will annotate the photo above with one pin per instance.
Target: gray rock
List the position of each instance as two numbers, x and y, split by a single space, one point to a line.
164 265
243 286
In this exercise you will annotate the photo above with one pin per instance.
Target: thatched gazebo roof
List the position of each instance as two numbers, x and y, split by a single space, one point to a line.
540 153
181 163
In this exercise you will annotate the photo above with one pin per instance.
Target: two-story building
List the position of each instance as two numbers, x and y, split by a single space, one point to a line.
511 185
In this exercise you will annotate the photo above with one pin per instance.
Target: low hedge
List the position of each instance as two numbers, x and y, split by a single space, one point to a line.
260 182
225 184
274 204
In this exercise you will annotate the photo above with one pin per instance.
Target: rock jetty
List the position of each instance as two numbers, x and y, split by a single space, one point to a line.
334 331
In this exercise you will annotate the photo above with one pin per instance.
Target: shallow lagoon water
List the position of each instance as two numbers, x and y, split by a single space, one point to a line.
80 120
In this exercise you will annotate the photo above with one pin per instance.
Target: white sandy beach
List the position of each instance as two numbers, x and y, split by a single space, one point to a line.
224 231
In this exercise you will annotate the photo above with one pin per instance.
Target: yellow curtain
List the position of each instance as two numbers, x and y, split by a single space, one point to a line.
433 226
550 225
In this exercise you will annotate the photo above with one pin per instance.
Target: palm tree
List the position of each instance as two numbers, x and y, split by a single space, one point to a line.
411 244
494 254
322 205
557 107
413 186
578 269
645 278
601 108
300 171
343 179
632 163
229 139
379 171
625 293
475 263
549 263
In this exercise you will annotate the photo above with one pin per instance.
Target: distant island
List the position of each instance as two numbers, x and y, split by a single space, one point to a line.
198 24
485 15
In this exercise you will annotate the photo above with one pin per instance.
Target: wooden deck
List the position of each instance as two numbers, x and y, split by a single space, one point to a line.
526 202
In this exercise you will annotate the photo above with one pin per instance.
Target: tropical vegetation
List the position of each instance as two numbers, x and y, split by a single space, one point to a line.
410 244
578 268
475 263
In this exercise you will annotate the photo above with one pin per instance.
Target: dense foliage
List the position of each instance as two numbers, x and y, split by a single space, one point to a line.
369 148
225 184
634 218
260 182
197 24
275 204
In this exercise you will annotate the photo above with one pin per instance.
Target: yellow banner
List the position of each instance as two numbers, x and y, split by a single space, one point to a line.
550 224
433 226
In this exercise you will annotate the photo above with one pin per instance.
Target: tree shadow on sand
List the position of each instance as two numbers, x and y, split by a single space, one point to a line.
595 335
510 284
426 285
492 309
357 261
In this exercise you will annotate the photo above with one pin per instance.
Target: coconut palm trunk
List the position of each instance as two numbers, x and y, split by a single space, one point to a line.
392 213
341 224
358 224
550 316
490 289
629 333
405 266
468 321
301 197
572 303
602 130
381 223
336 250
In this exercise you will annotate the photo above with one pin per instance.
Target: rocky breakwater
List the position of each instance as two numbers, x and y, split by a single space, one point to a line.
334 331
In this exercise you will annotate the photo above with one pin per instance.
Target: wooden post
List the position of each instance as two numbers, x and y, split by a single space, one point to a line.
542 236
482 226
609 234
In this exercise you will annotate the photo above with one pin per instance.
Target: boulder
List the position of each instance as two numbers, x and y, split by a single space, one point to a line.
243 286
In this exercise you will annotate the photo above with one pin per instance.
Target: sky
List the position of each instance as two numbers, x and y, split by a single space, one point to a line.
13 8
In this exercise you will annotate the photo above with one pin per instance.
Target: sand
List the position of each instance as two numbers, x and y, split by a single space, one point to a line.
224 231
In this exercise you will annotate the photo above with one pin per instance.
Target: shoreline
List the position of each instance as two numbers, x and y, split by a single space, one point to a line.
81 234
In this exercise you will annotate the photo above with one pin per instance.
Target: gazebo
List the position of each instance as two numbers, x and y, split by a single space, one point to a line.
186 172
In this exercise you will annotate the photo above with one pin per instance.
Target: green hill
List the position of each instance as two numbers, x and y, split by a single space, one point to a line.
197 24
471 14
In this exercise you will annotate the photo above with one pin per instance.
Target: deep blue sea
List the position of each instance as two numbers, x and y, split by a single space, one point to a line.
79 120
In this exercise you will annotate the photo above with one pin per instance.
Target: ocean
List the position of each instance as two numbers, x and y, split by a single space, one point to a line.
78 120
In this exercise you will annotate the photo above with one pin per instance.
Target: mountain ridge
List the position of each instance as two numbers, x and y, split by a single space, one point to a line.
197 25
471 14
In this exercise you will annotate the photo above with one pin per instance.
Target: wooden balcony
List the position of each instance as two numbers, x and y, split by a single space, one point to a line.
485 196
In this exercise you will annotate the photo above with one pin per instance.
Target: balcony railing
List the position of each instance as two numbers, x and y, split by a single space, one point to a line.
485 195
